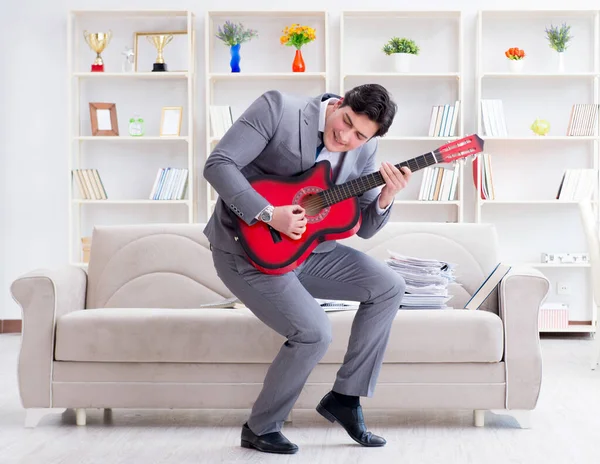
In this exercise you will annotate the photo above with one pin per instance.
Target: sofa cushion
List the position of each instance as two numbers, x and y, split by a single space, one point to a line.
237 336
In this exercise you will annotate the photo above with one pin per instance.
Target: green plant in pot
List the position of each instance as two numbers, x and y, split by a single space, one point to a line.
403 51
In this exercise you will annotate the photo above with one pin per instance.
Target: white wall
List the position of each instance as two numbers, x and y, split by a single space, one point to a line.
33 129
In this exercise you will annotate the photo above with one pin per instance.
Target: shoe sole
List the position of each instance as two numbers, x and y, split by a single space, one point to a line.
331 418
247 444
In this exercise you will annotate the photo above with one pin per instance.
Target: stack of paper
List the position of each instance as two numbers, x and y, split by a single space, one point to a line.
426 280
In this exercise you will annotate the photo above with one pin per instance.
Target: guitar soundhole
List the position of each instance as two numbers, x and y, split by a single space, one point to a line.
312 203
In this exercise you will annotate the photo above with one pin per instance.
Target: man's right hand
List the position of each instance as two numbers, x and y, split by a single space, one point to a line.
289 220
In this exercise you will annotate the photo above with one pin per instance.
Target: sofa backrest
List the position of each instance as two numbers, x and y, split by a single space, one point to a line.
152 266
170 265
474 248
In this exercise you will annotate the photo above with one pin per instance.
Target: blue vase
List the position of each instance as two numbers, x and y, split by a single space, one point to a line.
235 58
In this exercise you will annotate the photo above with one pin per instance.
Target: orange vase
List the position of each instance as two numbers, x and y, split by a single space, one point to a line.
298 65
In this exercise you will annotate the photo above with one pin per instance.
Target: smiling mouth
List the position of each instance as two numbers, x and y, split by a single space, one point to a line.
336 139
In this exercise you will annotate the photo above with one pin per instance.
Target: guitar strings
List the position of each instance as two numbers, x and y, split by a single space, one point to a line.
347 190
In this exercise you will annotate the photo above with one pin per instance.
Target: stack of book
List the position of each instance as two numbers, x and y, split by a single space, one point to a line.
221 119
443 120
492 115
89 183
577 184
583 119
439 184
427 281
170 184
483 165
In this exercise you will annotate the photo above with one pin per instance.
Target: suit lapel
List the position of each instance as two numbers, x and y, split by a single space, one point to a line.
309 128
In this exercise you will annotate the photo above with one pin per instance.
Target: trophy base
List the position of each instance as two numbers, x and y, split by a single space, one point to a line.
159 67
97 68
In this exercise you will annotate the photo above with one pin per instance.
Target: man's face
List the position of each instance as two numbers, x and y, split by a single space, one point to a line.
345 130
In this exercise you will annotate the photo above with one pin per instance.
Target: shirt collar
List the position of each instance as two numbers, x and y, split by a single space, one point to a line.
323 113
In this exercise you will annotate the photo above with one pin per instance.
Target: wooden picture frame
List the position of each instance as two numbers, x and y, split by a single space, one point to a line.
104 119
170 121
175 53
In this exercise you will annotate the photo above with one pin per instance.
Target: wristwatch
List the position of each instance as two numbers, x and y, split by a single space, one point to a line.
267 214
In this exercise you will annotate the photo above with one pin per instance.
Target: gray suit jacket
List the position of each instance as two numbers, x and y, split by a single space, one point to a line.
277 135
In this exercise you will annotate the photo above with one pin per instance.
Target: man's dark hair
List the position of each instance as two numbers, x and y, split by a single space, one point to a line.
374 101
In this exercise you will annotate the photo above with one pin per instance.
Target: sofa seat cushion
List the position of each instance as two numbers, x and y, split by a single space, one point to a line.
236 335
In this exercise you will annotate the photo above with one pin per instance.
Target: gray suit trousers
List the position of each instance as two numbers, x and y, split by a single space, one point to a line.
286 303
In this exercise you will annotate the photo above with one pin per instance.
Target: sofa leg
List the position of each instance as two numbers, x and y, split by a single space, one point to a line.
80 416
33 416
290 417
479 417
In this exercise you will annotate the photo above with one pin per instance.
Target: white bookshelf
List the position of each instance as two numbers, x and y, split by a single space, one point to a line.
265 65
436 78
128 165
527 169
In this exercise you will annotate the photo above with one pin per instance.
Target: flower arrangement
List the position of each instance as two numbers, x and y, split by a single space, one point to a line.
297 36
235 34
514 53
558 37
404 45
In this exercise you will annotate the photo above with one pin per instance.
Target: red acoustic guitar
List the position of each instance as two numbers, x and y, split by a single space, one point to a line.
332 211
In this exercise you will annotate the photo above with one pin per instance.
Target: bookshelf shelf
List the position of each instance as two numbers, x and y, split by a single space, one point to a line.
544 138
267 66
509 75
132 202
132 75
427 202
559 266
125 174
453 75
262 76
525 171
435 79
145 138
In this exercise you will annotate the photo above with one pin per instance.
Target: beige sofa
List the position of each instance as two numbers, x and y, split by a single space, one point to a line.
129 334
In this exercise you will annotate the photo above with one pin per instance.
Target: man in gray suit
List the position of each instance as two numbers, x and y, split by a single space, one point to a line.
282 134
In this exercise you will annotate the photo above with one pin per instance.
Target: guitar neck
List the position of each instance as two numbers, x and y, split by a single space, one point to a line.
357 187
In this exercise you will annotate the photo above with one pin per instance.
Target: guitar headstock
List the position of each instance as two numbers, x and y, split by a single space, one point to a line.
457 149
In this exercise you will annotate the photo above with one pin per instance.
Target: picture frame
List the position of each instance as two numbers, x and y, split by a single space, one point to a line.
170 121
103 117
175 53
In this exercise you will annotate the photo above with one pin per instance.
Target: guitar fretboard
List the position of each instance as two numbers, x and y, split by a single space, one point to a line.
357 187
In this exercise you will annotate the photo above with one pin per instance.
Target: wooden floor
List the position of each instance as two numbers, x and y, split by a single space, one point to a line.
566 428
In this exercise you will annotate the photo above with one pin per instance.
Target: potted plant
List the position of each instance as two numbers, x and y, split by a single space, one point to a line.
234 35
297 36
516 58
403 50
558 39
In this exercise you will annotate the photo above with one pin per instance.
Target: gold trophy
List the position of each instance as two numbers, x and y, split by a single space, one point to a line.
160 41
98 41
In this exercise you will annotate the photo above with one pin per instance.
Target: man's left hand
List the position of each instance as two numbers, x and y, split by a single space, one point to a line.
395 180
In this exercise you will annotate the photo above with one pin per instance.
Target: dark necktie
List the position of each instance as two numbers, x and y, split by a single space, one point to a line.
319 148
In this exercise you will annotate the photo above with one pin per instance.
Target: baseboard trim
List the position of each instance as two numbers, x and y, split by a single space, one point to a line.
11 326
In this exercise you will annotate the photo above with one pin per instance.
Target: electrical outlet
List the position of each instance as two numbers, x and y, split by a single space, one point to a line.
563 288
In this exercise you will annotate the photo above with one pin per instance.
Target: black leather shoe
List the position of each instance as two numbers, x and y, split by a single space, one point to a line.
351 418
268 443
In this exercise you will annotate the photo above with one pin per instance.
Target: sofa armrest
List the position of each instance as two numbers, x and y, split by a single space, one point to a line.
44 296
521 293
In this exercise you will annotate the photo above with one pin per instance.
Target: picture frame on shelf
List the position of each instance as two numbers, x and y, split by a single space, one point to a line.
175 53
170 121
103 117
